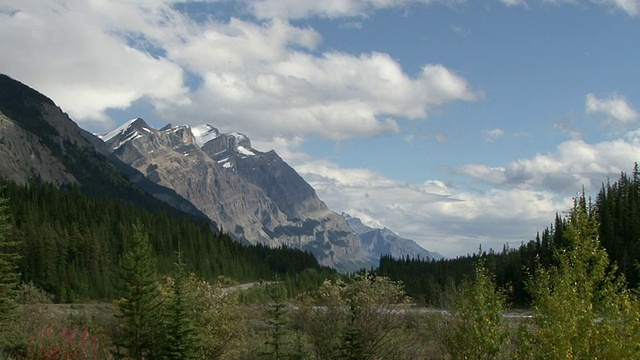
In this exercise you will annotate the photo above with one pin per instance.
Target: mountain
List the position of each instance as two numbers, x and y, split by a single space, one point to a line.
253 195
378 242
38 141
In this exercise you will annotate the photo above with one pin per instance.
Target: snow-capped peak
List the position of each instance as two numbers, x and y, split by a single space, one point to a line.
204 133
120 129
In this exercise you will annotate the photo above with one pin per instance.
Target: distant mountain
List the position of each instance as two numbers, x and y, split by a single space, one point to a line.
253 195
378 242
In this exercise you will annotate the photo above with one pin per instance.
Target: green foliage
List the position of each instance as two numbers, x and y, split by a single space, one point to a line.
218 318
71 243
68 344
360 318
581 309
140 303
478 329
181 340
9 276
275 345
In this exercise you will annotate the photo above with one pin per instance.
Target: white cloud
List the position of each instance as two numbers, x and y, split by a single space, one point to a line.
80 63
574 164
283 91
514 2
493 134
631 7
261 76
615 108
295 9
437 215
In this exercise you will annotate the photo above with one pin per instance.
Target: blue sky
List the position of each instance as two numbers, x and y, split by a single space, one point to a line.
454 123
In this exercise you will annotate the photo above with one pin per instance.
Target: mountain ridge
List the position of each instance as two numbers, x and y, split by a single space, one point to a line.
253 195
386 242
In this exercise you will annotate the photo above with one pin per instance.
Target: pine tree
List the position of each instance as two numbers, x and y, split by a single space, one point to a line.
139 307
9 276
275 335
182 342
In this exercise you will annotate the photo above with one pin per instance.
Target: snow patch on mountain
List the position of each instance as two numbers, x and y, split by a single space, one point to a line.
119 130
204 133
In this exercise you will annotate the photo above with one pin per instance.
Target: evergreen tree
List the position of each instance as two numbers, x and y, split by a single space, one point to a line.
9 277
181 340
139 307
275 343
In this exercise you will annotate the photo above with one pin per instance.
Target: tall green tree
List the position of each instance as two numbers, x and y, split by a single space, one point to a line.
9 276
582 309
181 340
478 328
139 307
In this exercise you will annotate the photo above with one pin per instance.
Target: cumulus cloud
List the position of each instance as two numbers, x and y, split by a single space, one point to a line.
263 76
437 215
285 91
574 164
615 107
80 61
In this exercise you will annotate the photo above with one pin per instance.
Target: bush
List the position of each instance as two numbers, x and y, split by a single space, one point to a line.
67 344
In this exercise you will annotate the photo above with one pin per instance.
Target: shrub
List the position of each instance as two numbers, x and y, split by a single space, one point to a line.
67 344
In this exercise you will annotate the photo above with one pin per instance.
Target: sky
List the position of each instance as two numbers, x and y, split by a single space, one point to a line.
455 123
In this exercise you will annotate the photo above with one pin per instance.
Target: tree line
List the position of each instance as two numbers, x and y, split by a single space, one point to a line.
616 208
70 243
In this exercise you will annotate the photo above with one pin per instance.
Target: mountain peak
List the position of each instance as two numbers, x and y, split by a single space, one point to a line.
129 130
222 146
204 133
385 242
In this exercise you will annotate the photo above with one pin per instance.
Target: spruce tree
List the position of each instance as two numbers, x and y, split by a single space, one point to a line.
9 279
139 307
181 340
9 276
275 343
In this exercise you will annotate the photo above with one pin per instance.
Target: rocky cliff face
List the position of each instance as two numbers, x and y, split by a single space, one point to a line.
255 196
38 141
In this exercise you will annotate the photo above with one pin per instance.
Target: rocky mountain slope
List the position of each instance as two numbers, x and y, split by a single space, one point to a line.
378 242
253 195
38 141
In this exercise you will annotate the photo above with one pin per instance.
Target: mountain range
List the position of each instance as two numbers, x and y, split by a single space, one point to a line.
254 196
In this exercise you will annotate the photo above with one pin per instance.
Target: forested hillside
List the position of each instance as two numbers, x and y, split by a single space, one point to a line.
617 209
71 244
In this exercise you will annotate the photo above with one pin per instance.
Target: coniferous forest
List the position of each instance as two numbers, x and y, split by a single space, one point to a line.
72 244
163 280
617 209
